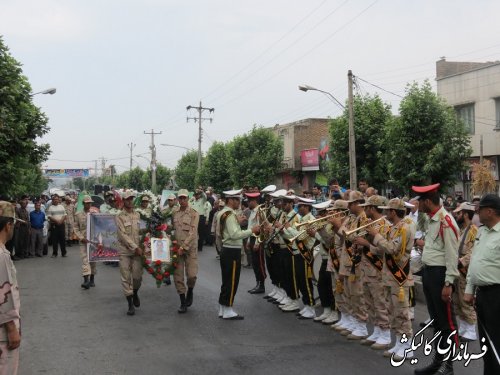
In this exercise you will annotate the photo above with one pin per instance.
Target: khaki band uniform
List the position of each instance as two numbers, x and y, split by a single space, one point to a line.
128 239
373 288
463 310
185 224
397 295
353 287
80 231
70 220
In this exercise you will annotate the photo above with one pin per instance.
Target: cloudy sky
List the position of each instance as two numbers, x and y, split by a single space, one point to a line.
122 67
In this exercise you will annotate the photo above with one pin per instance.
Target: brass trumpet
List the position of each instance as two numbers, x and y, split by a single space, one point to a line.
361 231
317 223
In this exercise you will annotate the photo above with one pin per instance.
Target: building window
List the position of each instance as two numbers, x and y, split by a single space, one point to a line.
466 114
497 111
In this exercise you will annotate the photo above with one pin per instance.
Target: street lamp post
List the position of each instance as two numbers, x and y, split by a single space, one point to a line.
167 145
352 144
50 91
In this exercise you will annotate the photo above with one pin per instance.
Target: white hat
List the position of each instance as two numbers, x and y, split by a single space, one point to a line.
305 201
268 189
233 193
288 197
278 193
409 205
322 205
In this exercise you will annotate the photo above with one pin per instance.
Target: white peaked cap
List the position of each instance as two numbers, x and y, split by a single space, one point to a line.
268 189
278 193
322 205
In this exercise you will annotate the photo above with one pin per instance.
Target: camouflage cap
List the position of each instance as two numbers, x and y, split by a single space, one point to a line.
87 199
7 209
145 198
171 197
129 194
395 204
375 200
465 206
183 193
355 196
339 204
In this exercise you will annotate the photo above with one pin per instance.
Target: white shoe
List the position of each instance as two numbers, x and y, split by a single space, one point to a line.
341 323
281 297
326 313
229 313
360 331
469 331
383 340
285 301
350 324
373 337
332 318
308 313
273 292
221 311
395 348
402 350
292 306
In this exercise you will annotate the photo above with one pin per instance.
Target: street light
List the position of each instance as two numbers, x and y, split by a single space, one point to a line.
50 91
167 145
352 144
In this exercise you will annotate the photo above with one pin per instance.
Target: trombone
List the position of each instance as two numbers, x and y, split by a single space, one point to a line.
317 223
362 230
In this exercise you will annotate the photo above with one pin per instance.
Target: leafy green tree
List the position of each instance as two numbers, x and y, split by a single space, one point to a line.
426 143
136 180
215 168
163 175
21 124
31 181
186 170
371 116
255 157
86 183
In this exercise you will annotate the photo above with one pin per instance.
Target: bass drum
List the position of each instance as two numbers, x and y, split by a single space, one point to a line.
316 265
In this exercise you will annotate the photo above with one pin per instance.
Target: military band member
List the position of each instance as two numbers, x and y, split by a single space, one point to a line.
340 207
325 236
275 252
466 315
80 230
185 220
371 268
127 223
395 248
255 248
286 262
440 259
230 256
69 206
302 257
349 269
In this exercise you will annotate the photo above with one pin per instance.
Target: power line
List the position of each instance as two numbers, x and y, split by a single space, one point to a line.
378 87
302 56
266 50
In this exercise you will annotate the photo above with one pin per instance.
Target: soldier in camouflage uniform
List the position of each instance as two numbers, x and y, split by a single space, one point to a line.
397 278
80 230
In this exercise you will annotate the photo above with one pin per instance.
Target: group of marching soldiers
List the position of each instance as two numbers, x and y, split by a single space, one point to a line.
365 246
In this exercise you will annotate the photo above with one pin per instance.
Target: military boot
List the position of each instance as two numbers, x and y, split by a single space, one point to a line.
433 367
189 297
131 309
135 298
86 282
259 289
91 283
183 308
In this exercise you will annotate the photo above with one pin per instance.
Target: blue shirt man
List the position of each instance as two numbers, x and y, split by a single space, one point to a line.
37 218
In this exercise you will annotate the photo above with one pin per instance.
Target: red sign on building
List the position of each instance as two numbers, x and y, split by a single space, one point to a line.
310 159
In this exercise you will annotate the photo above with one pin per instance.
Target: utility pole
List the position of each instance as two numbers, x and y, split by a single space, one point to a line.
352 143
200 119
481 151
131 146
153 160
103 167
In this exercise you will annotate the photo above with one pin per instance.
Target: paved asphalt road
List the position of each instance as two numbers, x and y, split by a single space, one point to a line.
67 330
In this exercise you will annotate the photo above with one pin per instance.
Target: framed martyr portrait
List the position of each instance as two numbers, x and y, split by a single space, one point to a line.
160 249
